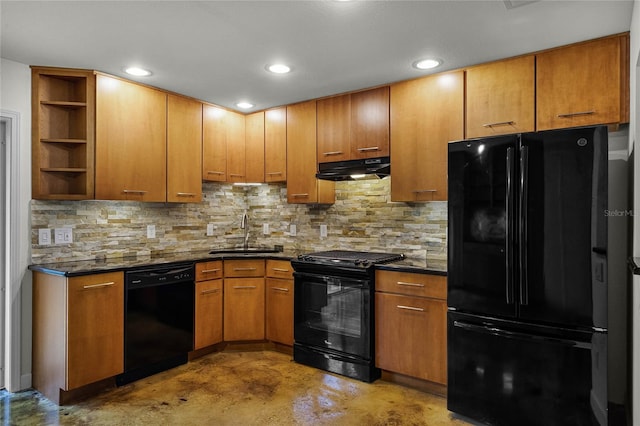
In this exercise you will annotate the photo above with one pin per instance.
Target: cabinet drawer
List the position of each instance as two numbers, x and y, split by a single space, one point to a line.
209 270
411 284
244 268
279 269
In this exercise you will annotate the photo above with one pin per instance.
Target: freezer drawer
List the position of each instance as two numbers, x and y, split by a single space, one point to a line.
507 373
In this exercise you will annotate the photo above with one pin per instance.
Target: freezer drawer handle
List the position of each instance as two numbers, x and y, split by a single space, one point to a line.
518 335
410 308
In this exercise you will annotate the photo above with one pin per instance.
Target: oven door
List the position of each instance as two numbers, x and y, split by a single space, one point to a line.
333 313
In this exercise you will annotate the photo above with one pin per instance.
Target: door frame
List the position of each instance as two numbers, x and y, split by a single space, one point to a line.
12 296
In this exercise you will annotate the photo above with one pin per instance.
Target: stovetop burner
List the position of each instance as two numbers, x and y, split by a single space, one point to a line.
358 258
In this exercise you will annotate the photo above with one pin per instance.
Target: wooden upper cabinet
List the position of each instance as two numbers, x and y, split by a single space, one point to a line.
354 126
426 114
501 97
131 141
275 145
302 185
370 123
583 84
184 150
236 147
334 124
214 144
254 147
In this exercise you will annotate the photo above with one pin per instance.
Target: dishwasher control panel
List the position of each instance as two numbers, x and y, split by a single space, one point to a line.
161 274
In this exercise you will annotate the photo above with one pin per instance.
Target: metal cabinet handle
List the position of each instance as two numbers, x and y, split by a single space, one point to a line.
243 286
573 114
306 194
286 290
206 271
500 123
332 153
211 172
274 173
280 270
244 269
134 191
410 284
87 287
235 175
213 290
410 308
419 191
185 194
369 148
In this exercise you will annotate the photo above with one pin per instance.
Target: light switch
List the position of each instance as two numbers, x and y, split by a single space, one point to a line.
62 236
209 229
265 228
151 231
323 231
293 230
44 236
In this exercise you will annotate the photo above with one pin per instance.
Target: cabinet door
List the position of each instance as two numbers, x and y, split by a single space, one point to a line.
244 309
302 185
254 147
426 114
236 147
95 328
580 85
214 144
131 141
279 300
370 123
208 313
275 145
334 124
184 150
501 97
411 336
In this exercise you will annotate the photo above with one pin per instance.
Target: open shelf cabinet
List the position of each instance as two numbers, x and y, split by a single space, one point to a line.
63 133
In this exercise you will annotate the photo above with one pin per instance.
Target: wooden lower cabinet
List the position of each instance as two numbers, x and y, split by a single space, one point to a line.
78 331
208 313
279 298
244 309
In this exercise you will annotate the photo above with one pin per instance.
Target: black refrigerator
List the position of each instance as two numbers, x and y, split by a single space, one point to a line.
527 278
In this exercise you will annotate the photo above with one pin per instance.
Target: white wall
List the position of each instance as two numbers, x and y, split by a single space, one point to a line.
15 96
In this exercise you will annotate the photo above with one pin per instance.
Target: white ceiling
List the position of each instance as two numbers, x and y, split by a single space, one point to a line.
216 51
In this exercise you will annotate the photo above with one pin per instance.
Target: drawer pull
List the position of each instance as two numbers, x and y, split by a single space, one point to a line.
239 287
274 173
286 290
213 290
235 175
410 284
280 270
306 194
206 271
500 123
410 308
332 153
244 269
574 114
88 287
134 191
212 172
419 191
185 194
369 148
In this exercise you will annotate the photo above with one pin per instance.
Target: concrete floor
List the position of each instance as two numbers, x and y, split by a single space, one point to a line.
237 388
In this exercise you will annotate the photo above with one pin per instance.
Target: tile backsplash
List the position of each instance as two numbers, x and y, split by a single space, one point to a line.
362 218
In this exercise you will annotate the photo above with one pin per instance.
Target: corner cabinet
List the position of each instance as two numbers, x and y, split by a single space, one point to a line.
131 141
244 304
63 117
78 331
426 114
302 185
223 145
275 145
583 84
254 147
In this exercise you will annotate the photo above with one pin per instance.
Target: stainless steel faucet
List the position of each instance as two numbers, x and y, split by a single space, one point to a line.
244 224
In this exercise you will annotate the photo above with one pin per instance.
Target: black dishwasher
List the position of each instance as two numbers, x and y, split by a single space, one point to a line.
158 321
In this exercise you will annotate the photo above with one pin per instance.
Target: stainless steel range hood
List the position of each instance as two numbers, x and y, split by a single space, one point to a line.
354 169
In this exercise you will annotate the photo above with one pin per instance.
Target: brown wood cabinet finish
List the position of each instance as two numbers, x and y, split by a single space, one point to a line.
426 114
236 147
334 129
275 145
370 123
279 300
214 144
411 284
501 97
244 268
302 185
279 269
211 270
244 308
582 84
131 124
208 313
184 150
254 147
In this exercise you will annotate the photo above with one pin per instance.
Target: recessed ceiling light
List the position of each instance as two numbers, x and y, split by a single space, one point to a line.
138 72
278 68
245 105
426 64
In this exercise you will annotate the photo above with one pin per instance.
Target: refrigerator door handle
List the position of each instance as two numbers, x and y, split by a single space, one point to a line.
519 335
509 228
524 196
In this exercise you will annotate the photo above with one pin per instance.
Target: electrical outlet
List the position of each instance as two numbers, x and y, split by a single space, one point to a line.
151 231
44 236
323 231
62 236
67 235
265 228
210 229
293 230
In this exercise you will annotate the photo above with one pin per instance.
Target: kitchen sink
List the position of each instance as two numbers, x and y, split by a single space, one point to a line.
249 250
